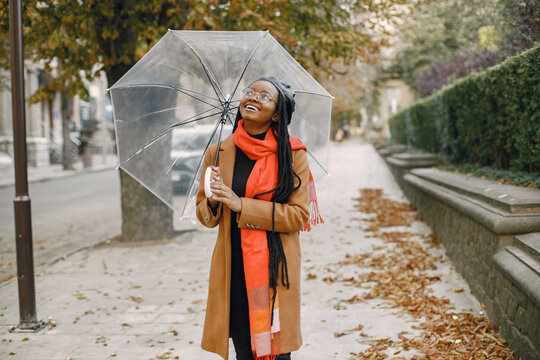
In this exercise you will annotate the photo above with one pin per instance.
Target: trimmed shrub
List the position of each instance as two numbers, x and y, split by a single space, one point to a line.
489 118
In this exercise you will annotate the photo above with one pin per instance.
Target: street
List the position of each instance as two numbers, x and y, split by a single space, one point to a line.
67 214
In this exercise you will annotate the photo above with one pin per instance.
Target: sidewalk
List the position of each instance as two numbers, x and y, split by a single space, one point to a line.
147 301
99 162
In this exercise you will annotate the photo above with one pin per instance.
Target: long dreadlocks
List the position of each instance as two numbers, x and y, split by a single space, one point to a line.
285 187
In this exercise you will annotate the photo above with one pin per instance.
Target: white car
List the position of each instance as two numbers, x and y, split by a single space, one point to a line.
187 150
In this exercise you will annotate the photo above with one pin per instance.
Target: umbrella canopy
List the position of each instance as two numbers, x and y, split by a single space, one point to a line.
183 95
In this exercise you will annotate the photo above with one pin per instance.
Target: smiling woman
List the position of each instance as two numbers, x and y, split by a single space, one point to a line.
258 107
260 202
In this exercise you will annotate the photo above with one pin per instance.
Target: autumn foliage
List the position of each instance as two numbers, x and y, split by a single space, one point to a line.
402 271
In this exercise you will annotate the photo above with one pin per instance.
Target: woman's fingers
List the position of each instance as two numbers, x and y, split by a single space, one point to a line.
217 185
216 174
224 194
221 190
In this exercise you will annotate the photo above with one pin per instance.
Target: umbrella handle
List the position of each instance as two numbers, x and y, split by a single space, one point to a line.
207 180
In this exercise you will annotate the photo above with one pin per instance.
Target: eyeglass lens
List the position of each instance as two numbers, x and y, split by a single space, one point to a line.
262 98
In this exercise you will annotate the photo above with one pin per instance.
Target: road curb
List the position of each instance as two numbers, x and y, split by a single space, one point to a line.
63 175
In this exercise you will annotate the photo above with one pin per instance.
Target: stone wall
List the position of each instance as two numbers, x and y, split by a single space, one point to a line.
37 150
481 225
515 293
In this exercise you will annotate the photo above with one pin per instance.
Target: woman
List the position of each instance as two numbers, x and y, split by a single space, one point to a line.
260 202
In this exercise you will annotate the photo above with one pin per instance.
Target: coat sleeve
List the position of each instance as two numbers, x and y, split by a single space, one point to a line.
205 214
289 217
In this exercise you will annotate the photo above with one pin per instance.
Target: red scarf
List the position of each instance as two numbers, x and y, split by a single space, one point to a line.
265 333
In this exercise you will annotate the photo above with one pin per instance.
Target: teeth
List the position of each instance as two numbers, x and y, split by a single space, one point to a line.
251 107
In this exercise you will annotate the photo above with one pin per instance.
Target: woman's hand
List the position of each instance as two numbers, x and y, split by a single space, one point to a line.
214 176
222 193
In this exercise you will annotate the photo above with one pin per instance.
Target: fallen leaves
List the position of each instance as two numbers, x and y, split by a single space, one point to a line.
401 273
350 331
79 295
138 299
11 263
50 323
354 300
387 212
101 340
311 276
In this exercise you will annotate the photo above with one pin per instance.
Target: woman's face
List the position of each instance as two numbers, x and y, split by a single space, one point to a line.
258 116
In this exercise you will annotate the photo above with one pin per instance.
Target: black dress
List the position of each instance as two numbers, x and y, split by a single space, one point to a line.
239 311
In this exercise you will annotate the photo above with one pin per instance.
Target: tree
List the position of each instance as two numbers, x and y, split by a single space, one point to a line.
448 39
111 35
523 22
437 31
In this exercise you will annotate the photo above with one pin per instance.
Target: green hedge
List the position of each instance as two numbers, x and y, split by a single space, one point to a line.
489 118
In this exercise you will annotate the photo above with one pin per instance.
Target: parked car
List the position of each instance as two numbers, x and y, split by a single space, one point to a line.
187 150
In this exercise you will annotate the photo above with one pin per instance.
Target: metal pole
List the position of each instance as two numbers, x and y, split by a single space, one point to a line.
21 203
102 95
222 121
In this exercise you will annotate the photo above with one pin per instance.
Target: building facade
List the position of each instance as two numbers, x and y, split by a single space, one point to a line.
44 121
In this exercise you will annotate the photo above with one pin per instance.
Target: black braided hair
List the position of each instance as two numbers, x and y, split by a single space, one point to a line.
282 192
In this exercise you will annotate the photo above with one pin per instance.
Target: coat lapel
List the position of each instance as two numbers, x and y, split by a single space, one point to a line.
227 157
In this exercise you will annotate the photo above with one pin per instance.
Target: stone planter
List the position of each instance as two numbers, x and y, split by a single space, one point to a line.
492 234
401 163
387 150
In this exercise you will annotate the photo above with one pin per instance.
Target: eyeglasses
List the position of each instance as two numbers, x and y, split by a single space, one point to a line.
263 98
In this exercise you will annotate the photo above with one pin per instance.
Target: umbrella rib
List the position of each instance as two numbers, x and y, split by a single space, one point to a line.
182 90
248 61
163 132
160 111
188 121
213 82
312 93
177 158
317 161
200 161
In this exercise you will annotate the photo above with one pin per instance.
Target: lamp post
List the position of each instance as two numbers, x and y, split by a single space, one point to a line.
21 203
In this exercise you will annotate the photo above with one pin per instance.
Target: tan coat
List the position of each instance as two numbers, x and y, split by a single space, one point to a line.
289 220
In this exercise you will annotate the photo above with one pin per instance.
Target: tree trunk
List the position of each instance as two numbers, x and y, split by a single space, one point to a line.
67 146
144 216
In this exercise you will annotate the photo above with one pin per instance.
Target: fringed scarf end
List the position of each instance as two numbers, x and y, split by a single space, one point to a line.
314 216
314 213
266 357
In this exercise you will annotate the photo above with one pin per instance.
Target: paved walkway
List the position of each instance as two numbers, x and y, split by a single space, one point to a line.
147 301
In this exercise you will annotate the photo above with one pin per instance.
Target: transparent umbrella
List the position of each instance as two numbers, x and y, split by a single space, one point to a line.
183 95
